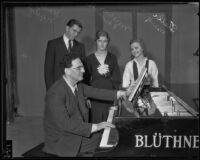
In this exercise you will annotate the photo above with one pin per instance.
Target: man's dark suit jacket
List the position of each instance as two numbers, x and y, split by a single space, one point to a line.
64 124
56 49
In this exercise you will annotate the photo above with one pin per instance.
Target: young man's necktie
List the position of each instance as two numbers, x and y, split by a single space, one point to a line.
70 46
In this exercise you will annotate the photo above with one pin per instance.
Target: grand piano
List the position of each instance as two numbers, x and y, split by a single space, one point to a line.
152 122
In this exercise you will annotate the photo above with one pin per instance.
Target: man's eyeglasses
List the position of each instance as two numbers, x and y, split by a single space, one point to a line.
78 68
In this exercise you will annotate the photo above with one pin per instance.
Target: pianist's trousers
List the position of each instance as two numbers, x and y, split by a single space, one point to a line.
89 145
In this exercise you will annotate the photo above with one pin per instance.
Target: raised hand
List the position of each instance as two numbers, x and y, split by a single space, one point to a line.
103 69
121 94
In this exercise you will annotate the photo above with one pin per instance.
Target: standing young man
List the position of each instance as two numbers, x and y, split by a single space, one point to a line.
59 47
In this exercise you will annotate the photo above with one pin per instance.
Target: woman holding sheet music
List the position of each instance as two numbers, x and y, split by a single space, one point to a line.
133 68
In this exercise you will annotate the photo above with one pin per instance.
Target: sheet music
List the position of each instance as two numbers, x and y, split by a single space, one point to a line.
138 82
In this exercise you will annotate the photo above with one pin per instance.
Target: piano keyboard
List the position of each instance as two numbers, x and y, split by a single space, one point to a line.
107 131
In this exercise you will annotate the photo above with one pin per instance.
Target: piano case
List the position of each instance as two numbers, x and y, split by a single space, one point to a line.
154 137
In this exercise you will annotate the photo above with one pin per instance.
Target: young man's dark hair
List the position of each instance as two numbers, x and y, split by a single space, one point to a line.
72 22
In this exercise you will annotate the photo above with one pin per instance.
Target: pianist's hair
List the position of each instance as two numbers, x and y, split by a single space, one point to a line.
67 60
102 33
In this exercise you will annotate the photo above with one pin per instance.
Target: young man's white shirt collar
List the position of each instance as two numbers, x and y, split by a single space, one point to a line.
66 40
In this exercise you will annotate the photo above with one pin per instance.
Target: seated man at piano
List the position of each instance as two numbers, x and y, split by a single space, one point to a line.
67 132
134 68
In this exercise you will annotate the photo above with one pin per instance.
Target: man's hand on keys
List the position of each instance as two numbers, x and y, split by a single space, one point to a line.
102 125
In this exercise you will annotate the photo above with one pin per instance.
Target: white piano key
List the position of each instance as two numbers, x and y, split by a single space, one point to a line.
106 132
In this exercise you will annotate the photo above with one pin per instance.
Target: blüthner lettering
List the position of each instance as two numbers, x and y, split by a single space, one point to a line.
167 141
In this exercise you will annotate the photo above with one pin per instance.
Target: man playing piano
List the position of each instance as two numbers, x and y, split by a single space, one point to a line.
67 132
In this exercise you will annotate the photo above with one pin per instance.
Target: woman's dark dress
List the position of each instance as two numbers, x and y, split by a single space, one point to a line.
112 80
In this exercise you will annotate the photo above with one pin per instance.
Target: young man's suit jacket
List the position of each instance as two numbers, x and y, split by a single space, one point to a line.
56 49
64 124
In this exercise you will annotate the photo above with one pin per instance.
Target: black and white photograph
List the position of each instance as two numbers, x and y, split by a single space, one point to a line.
100 79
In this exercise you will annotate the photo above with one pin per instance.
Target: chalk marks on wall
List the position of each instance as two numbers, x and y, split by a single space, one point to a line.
158 21
114 21
45 14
